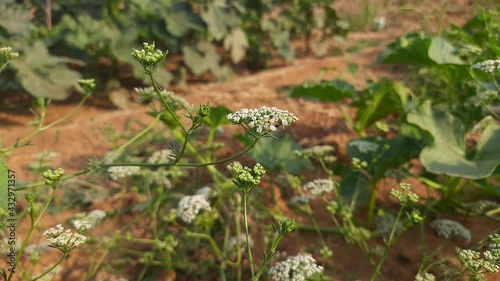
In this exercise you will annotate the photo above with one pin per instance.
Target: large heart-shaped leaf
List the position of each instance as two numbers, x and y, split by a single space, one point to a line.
237 42
447 154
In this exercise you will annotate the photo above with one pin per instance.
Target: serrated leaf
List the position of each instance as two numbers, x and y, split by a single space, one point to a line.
447 153
333 91
217 117
275 154
237 42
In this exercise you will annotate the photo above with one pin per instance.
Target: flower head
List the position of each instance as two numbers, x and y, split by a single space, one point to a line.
83 222
262 120
162 156
6 55
148 57
448 228
64 240
190 206
118 172
364 146
320 186
488 66
295 268
246 178
52 177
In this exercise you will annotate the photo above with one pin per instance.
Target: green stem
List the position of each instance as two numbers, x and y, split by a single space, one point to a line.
32 227
40 129
164 102
52 268
349 121
245 217
387 246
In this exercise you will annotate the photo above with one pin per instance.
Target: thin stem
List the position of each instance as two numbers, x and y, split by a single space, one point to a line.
39 129
32 227
52 268
245 217
164 102
387 246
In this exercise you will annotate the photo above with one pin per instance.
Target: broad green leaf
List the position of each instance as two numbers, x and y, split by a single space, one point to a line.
447 154
15 19
333 91
194 60
220 19
275 154
237 42
181 18
217 117
442 52
420 49
378 101
382 154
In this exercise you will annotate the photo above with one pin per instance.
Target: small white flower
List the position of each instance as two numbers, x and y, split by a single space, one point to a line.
302 199
207 192
238 241
295 268
64 240
118 172
161 156
320 186
262 119
190 206
364 146
449 228
425 277
488 66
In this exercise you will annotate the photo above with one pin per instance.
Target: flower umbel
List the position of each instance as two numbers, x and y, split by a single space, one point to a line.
148 57
246 178
488 66
320 187
190 206
64 240
448 228
296 268
53 177
118 172
6 55
263 120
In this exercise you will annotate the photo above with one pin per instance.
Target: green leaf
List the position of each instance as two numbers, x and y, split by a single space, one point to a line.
15 19
44 75
237 42
220 19
442 52
421 50
333 91
378 101
275 154
447 154
217 117
181 18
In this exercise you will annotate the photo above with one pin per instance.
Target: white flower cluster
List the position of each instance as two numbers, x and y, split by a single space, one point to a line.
448 228
301 199
262 119
190 206
46 155
161 156
64 240
364 146
473 262
489 66
83 222
118 172
295 268
238 241
207 192
425 277
319 186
